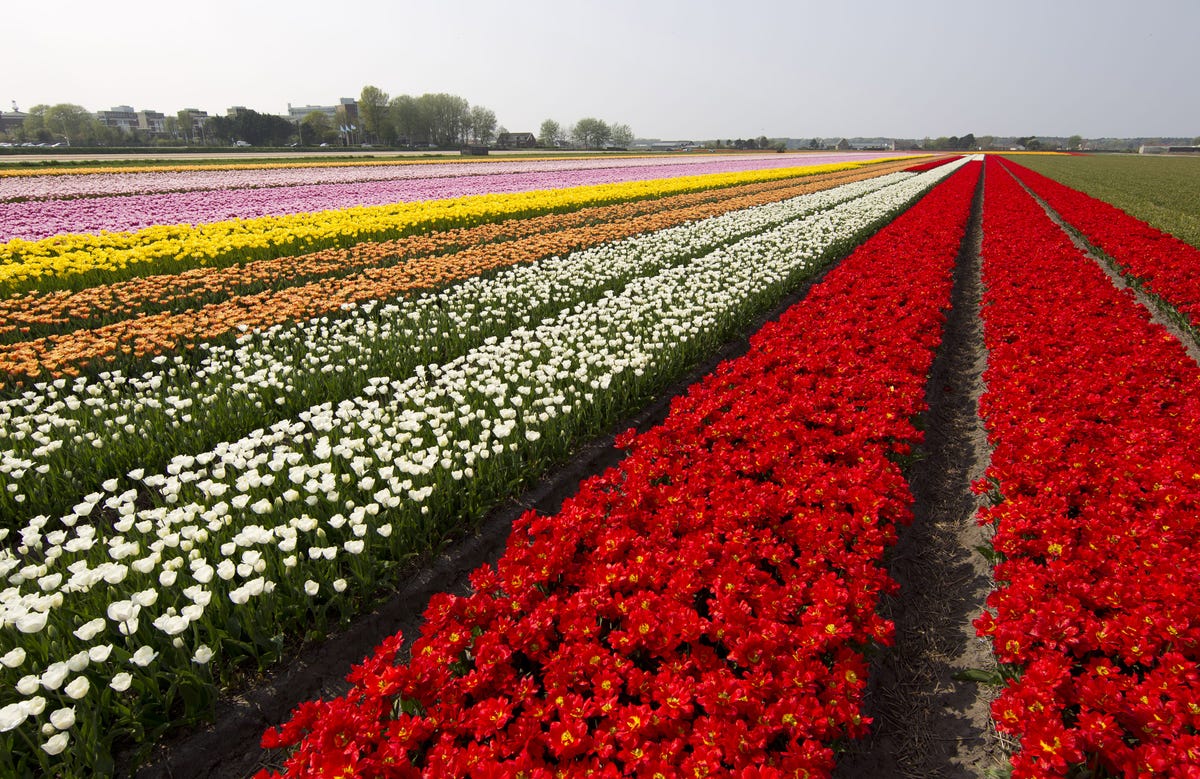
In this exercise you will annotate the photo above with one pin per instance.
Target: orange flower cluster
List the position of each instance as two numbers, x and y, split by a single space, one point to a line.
377 271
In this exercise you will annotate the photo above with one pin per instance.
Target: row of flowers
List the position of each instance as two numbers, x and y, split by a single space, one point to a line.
170 180
122 609
59 436
204 304
703 609
1095 483
37 219
1161 263
74 261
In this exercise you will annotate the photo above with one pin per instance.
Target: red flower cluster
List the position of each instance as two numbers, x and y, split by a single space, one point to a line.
1165 265
924 166
1095 416
703 609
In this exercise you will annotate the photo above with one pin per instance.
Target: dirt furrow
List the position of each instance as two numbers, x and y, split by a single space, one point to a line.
927 723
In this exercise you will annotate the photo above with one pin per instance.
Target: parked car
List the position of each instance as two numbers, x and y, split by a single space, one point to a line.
241 144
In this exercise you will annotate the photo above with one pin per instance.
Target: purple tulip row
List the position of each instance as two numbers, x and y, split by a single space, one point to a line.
36 219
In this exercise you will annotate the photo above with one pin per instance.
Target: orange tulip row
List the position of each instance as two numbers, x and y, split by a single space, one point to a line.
412 263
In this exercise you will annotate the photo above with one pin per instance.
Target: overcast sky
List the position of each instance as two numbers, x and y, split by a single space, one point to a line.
685 69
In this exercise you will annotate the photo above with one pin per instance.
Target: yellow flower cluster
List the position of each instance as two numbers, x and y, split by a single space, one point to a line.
114 256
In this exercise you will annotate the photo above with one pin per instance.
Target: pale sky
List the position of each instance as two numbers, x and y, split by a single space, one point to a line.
685 69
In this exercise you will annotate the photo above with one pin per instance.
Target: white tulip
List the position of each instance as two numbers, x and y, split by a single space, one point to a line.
63 718
89 630
78 688
15 657
29 684
100 653
12 717
55 675
56 744
121 681
143 657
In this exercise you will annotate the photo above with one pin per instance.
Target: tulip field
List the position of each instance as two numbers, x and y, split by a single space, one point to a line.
240 405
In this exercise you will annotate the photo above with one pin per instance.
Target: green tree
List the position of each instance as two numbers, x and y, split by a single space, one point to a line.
448 117
70 122
550 134
1075 142
620 135
409 120
483 124
376 118
591 133
316 128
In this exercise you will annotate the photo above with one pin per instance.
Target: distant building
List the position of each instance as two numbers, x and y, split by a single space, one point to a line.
11 121
516 141
842 145
349 104
152 122
233 111
192 121
122 117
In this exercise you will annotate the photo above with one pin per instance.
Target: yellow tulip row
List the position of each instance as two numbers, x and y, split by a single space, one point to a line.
80 260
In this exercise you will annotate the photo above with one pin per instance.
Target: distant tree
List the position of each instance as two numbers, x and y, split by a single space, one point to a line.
63 120
373 111
316 128
1030 142
448 117
620 135
966 143
815 143
591 133
483 124
412 127
1075 142
987 141
550 134
1196 141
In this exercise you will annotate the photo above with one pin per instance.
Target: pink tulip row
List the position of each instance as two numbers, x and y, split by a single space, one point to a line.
34 220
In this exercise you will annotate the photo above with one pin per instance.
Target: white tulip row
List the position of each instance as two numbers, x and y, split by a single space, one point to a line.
266 528
61 433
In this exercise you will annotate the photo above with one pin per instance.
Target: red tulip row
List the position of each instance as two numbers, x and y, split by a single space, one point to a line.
1165 265
1094 412
703 608
937 163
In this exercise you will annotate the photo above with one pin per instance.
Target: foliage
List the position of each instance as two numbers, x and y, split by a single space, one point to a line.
591 133
252 127
550 134
376 119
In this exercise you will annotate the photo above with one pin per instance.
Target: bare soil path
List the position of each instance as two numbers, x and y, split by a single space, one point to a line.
926 722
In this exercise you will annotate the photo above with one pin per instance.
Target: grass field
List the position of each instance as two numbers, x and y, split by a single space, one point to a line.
1164 191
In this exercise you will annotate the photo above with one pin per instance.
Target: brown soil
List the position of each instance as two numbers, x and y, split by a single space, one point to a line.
927 723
